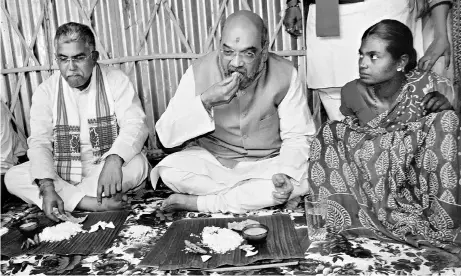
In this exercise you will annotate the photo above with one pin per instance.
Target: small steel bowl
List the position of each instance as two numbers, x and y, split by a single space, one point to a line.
255 233
28 226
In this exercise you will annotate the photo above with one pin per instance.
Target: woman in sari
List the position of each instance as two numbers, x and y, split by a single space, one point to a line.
391 168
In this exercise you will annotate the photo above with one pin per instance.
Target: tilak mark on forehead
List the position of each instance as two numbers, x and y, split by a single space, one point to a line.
237 39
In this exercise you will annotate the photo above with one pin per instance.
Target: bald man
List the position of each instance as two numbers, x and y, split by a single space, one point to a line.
242 119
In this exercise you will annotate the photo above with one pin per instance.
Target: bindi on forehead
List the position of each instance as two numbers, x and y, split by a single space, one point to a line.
237 39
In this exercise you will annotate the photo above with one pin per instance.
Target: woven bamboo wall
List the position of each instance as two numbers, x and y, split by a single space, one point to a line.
152 41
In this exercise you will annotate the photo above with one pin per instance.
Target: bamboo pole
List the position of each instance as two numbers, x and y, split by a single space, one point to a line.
245 5
26 59
92 6
142 40
287 53
48 36
18 33
10 115
87 18
277 30
215 26
172 17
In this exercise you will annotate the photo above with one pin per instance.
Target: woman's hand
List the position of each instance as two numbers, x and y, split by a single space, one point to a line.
435 102
438 48
293 21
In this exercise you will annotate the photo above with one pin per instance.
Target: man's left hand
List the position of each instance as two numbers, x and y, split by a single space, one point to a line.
283 187
110 179
435 102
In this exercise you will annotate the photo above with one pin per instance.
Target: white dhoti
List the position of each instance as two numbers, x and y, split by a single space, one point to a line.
247 186
19 182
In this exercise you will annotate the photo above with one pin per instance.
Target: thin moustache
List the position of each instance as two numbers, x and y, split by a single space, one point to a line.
233 69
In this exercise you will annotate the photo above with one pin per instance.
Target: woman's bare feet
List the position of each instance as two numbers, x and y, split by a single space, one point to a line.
117 202
180 202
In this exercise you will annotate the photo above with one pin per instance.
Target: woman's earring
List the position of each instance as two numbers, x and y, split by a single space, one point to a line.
399 69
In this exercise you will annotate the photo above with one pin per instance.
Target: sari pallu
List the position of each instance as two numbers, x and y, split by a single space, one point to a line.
398 177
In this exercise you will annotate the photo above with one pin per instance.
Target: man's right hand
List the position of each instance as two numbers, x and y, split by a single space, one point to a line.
222 92
52 199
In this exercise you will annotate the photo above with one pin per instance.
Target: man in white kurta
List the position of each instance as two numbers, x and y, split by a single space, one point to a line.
69 173
246 135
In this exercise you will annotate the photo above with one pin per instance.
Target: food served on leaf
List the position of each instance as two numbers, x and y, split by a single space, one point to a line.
205 258
101 224
240 225
68 216
59 232
3 231
248 248
28 243
29 228
255 233
220 240
190 246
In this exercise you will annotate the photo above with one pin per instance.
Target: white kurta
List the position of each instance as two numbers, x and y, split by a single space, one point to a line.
11 146
248 185
128 145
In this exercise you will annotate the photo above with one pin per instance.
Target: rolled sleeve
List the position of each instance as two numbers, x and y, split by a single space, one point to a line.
185 117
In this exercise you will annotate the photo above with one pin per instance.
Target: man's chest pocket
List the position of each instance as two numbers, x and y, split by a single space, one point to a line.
268 121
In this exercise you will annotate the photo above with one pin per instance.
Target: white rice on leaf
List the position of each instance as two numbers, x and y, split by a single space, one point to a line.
60 232
220 240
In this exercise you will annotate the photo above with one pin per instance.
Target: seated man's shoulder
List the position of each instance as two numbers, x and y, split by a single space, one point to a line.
48 86
280 60
205 58
280 66
113 73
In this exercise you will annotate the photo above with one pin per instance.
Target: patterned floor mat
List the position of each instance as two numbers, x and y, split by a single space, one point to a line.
147 223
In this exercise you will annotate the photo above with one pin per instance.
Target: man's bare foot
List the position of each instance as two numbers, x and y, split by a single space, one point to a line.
117 202
180 202
283 188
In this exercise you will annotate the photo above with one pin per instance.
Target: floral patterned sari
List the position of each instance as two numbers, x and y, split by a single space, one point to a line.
398 177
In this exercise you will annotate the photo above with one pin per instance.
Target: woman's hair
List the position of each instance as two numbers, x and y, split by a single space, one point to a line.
399 40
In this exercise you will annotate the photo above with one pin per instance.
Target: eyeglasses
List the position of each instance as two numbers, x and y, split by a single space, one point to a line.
77 59
246 56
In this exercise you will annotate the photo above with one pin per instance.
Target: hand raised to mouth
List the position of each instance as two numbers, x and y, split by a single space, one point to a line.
221 92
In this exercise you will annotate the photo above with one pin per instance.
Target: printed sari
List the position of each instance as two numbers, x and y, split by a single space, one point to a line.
398 177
